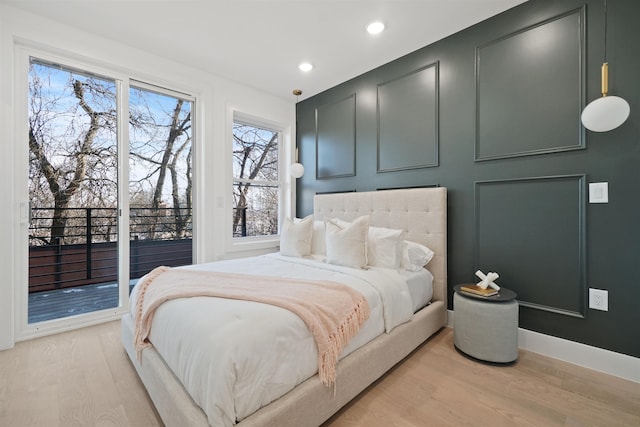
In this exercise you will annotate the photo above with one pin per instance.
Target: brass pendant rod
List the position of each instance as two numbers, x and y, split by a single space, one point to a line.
605 78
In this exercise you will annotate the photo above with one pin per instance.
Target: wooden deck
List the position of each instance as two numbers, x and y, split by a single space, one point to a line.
66 302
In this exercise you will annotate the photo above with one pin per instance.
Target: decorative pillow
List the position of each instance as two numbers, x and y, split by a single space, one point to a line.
415 256
295 238
347 244
318 245
384 247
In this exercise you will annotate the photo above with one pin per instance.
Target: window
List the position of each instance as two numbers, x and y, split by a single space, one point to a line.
256 186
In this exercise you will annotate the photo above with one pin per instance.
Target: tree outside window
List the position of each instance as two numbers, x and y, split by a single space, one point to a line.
73 177
256 190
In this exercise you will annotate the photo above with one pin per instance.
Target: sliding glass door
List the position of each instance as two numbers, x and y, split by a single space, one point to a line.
98 147
73 192
160 179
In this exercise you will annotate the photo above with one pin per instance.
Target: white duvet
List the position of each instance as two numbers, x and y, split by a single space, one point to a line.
234 357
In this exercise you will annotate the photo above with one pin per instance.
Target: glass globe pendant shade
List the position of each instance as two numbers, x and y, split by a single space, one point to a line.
605 114
297 170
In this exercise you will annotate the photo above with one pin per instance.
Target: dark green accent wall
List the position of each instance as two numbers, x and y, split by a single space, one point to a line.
335 132
509 146
408 121
529 89
513 227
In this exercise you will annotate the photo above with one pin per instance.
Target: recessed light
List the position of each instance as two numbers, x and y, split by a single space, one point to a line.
305 66
375 27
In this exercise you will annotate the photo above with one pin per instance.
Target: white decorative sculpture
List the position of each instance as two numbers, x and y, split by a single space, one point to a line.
487 281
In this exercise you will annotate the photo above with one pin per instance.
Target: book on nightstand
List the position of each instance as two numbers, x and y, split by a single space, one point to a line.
477 290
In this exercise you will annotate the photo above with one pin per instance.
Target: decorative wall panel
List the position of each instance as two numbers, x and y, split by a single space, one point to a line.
336 139
555 259
532 232
530 90
408 121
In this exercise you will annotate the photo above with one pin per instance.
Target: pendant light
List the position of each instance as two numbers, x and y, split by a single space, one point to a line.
608 112
296 169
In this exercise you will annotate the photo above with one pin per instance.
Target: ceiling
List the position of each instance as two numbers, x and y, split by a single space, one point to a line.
260 43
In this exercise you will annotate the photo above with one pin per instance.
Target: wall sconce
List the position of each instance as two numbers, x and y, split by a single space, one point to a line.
296 169
608 112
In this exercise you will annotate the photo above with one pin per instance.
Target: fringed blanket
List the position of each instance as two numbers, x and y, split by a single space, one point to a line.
332 312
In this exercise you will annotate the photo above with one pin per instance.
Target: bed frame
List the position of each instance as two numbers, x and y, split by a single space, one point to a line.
422 213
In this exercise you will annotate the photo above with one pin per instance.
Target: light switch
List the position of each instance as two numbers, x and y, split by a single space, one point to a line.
599 192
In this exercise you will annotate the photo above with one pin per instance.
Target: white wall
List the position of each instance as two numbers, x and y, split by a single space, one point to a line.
216 99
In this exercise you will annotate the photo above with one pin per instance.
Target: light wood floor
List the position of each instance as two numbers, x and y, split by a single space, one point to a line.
84 378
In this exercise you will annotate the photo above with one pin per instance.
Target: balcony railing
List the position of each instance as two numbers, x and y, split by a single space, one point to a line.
87 252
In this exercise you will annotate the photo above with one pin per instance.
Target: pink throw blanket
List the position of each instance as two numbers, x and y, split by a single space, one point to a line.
332 312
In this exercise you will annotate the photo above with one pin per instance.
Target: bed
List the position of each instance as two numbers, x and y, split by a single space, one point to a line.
421 214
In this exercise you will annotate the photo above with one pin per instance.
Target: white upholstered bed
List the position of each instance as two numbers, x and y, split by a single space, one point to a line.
421 213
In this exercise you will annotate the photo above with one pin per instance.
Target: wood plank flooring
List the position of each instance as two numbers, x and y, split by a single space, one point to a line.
84 378
78 378
438 386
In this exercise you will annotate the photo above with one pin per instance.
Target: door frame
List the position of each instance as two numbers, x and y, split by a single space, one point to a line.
124 79
24 330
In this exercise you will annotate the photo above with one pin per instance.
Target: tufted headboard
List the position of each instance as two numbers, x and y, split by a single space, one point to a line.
420 212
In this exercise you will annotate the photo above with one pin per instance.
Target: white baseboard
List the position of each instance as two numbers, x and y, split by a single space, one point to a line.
598 359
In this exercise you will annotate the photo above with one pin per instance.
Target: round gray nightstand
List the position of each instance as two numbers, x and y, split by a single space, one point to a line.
486 328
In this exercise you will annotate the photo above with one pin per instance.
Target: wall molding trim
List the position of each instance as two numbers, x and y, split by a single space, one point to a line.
419 92
574 266
601 360
498 61
598 359
341 116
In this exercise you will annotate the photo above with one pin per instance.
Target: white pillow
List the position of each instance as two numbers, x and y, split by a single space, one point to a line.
415 256
347 244
384 247
295 238
318 245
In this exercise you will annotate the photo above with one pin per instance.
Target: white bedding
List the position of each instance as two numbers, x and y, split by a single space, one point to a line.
420 285
234 357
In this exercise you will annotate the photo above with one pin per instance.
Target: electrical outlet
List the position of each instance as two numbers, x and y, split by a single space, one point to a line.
599 299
